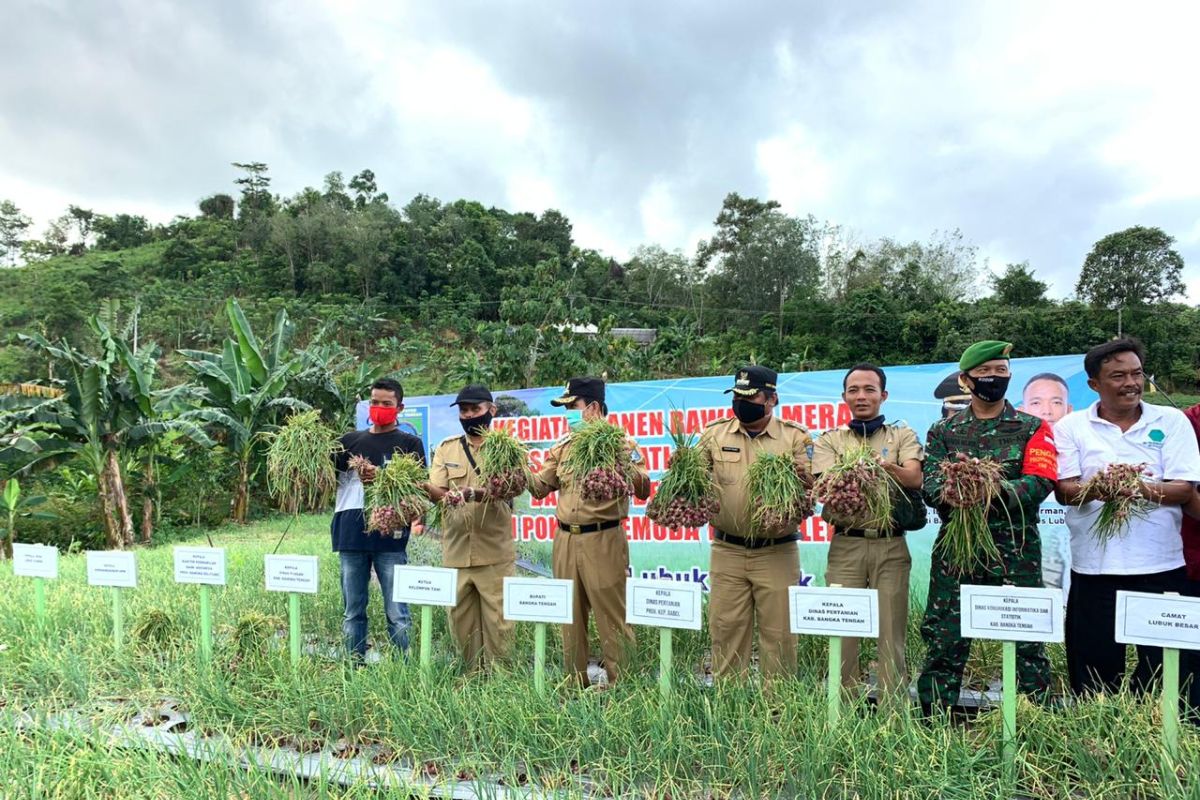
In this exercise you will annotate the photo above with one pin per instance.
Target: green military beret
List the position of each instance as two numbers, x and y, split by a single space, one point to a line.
980 352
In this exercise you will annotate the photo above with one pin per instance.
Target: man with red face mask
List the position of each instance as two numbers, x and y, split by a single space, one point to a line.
359 550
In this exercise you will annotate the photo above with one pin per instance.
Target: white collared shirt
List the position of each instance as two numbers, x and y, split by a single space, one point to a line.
1164 441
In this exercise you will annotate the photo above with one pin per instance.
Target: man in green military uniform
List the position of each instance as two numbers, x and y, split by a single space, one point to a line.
590 546
988 428
476 539
750 571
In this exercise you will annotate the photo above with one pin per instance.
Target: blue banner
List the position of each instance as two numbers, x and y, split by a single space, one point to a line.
918 396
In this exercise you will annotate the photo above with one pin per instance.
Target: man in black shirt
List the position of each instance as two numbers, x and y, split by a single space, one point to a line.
360 551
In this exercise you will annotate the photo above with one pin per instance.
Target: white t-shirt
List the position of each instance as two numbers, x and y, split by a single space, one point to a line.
1164 441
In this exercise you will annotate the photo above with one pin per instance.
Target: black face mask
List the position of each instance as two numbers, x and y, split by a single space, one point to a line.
476 426
865 427
747 412
990 389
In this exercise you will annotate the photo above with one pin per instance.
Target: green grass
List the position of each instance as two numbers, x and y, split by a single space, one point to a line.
1184 401
732 741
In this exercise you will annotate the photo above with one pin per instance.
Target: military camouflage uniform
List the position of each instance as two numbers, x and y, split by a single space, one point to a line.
1025 446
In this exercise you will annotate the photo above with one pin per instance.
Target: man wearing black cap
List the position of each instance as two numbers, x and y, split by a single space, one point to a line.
751 570
477 539
590 547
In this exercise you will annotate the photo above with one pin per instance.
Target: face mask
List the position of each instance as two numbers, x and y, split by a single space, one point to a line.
574 417
865 427
990 389
748 412
476 426
383 416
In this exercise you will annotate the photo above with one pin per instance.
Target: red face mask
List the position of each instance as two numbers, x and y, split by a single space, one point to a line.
383 416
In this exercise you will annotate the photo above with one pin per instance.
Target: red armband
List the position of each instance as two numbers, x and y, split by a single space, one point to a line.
1041 456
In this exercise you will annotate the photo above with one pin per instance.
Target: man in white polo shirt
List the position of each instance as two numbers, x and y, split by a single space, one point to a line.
1148 555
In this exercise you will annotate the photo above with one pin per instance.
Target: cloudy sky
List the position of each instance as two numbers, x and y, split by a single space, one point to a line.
1035 128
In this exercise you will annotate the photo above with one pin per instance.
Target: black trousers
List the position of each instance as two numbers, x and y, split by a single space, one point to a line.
1095 660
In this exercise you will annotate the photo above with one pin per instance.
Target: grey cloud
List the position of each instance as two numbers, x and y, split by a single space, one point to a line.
152 101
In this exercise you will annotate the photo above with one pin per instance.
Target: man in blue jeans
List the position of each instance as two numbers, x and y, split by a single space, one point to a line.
360 551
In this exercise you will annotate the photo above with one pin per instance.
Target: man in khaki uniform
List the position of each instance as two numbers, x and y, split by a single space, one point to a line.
476 538
862 556
590 547
750 571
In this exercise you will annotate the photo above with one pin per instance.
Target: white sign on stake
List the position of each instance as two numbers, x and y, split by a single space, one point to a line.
1158 620
35 561
426 586
829 611
1012 613
291 573
663 603
539 600
200 565
111 568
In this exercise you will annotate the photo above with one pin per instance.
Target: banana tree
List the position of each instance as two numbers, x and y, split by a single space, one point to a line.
242 389
107 408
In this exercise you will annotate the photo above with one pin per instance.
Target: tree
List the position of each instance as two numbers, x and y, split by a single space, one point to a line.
256 190
84 220
13 225
734 222
1133 267
1018 287
367 236
766 260
242 388
467 367
218 206
106 409
365 189
53 241
657 277
122 232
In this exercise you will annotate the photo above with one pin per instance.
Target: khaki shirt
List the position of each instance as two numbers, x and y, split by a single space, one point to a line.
477 534
733 451
894 446
572 508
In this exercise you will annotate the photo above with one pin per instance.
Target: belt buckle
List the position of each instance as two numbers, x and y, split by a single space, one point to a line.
871 534
575 529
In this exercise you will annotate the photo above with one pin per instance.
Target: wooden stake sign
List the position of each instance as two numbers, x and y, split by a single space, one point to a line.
426 587
541 601
834 612
665 605
1011 614
295 575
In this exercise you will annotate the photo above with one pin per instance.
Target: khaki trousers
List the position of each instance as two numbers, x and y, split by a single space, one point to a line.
883 565
477 622
751 586
597 562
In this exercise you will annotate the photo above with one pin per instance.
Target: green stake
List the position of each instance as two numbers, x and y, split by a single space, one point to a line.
205 624
1009 707
294 627
1170 704
834 689
39 599
118 614
666 657
539 657
426 637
